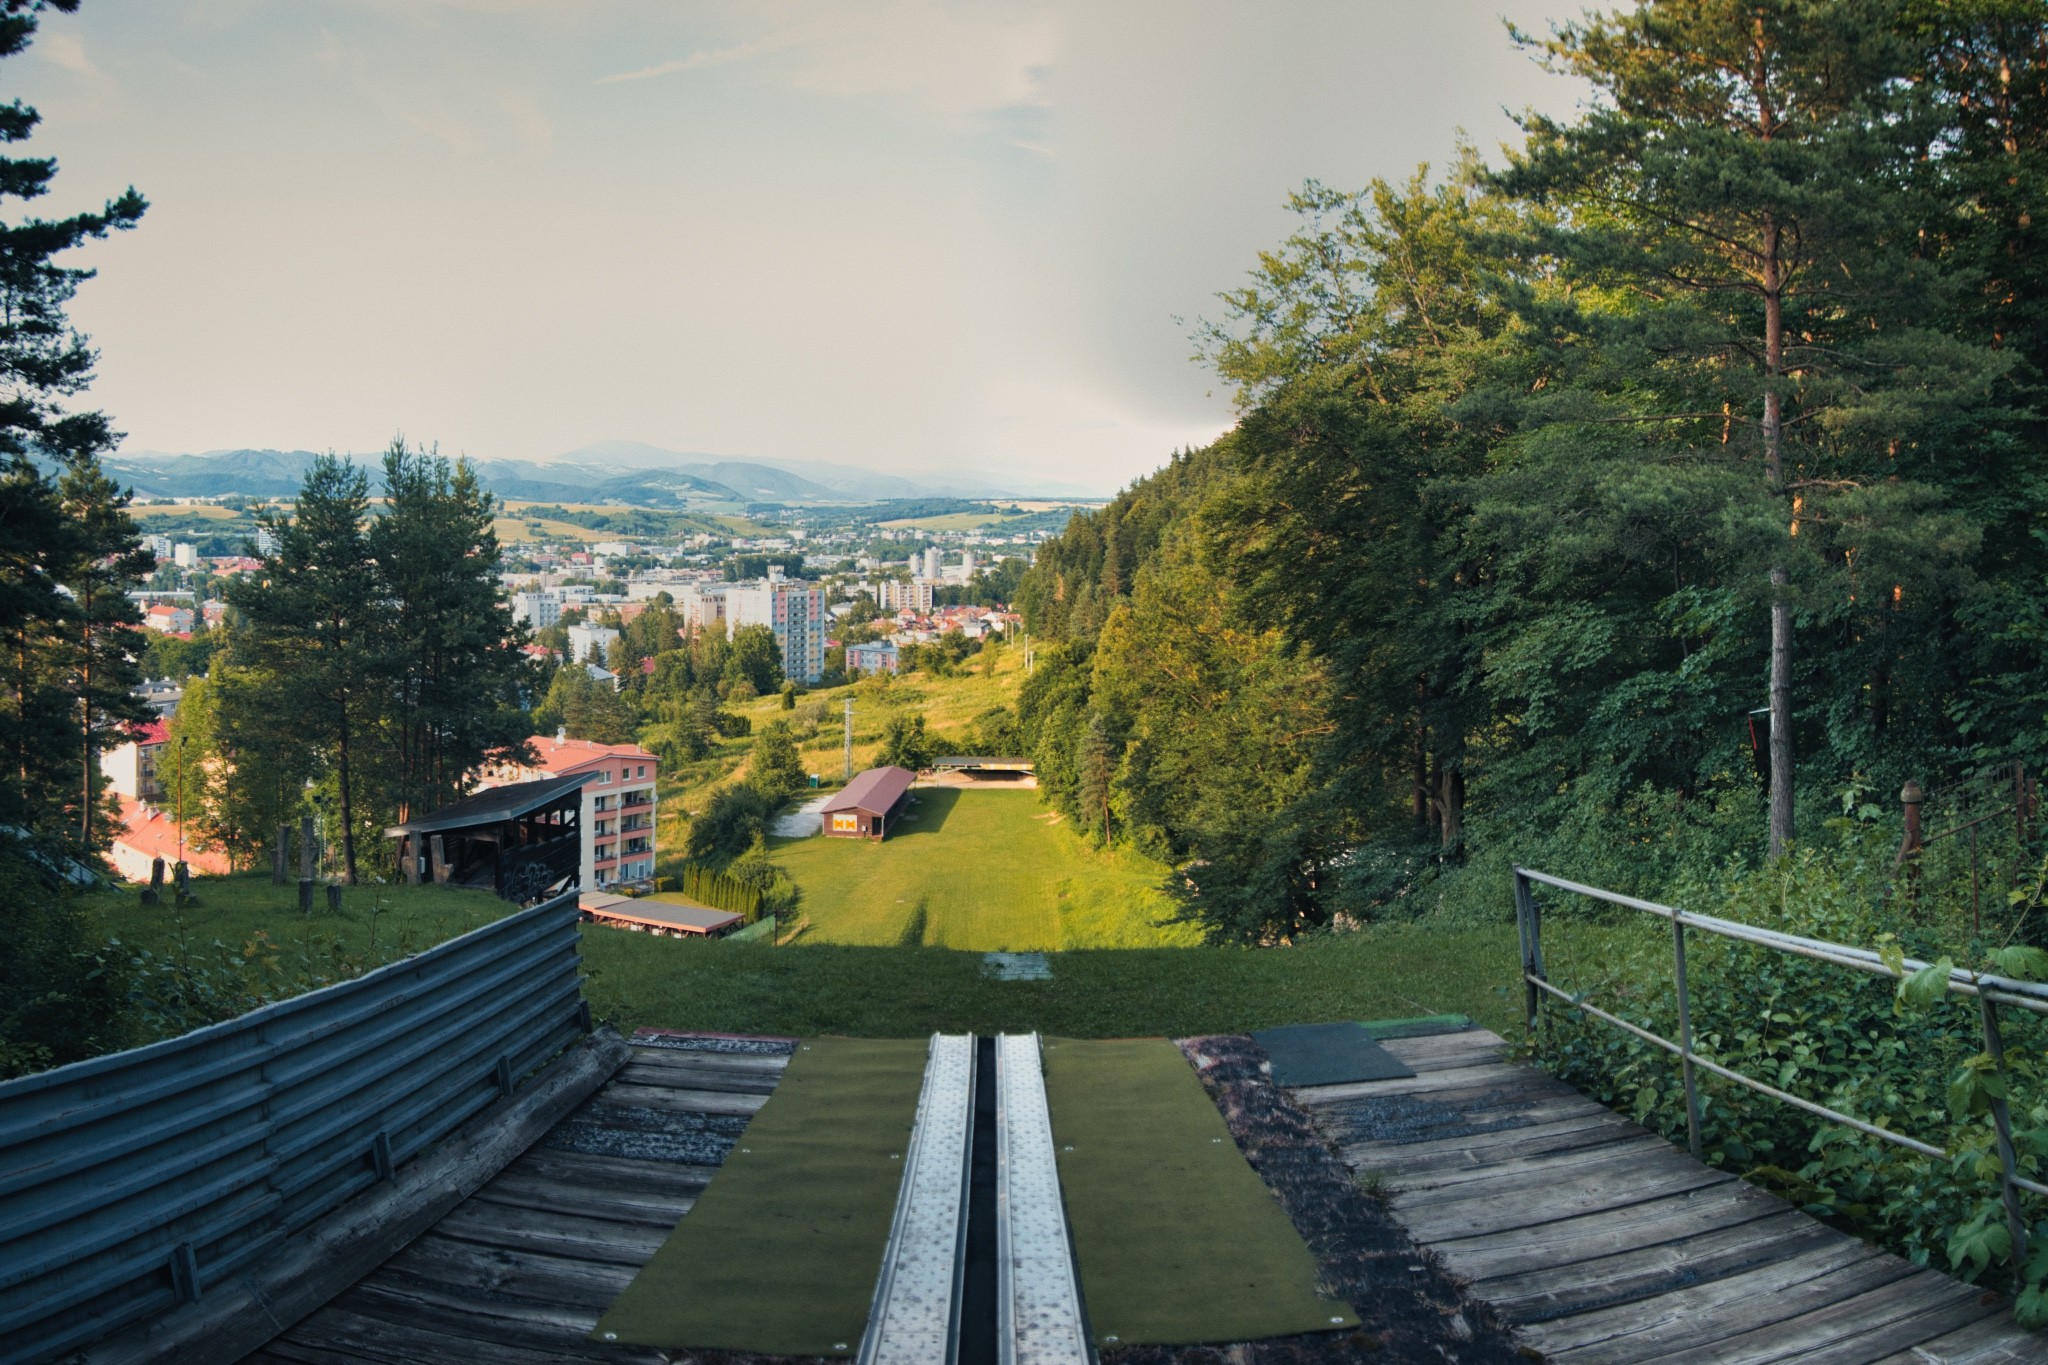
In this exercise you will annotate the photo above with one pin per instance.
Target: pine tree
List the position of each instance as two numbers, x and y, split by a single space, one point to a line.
454 694
315 627
1734 213
61 666
105 636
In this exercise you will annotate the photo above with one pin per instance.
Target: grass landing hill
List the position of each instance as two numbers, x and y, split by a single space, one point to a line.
974 869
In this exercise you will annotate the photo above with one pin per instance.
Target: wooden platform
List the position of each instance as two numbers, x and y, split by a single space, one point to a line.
519 1273
1601 1242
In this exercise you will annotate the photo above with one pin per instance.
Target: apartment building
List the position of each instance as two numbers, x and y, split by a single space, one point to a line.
618 803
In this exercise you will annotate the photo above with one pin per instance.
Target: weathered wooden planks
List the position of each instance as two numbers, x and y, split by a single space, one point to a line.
518 1273
1603 1243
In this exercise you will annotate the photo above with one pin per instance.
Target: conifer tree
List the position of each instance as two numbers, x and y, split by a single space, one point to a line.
314 627
1733 205
454 695
65 656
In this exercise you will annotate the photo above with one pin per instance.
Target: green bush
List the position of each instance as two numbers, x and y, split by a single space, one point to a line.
63 995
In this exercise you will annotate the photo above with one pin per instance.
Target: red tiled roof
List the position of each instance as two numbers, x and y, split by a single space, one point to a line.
154 834
571 755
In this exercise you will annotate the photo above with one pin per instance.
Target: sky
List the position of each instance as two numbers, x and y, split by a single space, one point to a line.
908 235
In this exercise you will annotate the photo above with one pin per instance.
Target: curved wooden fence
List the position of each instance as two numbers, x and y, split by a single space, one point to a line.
130 1182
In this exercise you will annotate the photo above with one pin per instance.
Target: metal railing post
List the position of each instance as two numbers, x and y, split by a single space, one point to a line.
2001 1119
1529 923
1692 1086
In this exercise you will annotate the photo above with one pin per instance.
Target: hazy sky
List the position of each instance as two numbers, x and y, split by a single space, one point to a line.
905 235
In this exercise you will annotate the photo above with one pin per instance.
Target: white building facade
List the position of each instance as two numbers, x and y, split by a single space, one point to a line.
795 611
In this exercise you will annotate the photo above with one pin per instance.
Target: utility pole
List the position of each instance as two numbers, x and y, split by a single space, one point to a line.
849 739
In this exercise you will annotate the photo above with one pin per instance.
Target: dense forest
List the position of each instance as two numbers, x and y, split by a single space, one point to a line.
1615 508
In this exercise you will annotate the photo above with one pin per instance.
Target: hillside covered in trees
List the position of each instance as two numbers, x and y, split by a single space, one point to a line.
1612 508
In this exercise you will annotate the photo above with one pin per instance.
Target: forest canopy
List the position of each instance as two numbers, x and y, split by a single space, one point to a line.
1612 507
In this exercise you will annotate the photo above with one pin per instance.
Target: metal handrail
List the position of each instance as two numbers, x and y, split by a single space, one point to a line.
1990 990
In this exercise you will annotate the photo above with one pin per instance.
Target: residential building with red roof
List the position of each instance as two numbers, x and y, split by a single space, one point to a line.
618 802
146 834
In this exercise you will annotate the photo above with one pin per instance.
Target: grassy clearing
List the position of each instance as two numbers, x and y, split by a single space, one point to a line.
949 705
204 511
520 530
379 923
982 871
951 521
1396 971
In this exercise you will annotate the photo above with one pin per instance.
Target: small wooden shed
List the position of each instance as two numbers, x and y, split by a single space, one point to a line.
864 808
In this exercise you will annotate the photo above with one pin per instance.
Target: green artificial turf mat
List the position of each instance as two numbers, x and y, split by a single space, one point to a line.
1177 1239
781 1252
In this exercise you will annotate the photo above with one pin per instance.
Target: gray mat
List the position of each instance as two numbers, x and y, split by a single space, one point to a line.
1327 1054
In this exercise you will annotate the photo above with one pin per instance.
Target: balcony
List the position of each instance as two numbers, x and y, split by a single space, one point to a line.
632 822
630 800
632 846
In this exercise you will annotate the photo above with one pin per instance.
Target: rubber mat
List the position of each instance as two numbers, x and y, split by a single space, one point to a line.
1422 1026
779 1256
1327 1054
1177 1239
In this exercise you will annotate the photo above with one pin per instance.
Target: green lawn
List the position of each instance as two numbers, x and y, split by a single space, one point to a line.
1398 971
376 923
983 871
1386 972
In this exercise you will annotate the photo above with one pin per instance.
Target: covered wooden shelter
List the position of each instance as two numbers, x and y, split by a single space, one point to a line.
862 810
523 841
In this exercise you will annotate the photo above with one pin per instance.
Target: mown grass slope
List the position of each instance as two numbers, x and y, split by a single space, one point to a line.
950 706
1395 971
984 871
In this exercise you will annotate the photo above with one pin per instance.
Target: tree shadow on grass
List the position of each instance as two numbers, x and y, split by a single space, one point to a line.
927 814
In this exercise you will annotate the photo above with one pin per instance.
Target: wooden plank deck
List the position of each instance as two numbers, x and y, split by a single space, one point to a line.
519 1273
1603 1243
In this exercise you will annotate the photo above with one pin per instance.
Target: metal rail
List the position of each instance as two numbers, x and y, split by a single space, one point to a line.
1991 991
1039 1319
915 1318
131 1181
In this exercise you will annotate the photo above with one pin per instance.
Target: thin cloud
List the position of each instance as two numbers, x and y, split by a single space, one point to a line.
696 61
62 49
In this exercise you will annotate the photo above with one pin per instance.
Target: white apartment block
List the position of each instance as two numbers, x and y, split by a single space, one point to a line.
539 610
584 637
917 595
795 611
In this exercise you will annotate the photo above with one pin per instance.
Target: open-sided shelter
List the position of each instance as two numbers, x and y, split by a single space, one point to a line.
864 808
523 841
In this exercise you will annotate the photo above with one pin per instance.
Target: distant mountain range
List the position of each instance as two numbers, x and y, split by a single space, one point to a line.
630 472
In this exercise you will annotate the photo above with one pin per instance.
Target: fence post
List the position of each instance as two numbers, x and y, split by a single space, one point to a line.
1910 797
1692 1087
1528 920
2001 1119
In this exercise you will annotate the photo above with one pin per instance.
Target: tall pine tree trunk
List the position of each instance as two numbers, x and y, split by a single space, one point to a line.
348 824
1781 606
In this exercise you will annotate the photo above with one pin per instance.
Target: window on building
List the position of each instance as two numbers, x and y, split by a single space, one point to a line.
604 776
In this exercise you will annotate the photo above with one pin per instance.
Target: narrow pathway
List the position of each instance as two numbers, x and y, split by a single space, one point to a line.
1600 1242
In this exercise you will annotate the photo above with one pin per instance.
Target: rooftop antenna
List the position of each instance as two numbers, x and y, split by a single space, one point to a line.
849 739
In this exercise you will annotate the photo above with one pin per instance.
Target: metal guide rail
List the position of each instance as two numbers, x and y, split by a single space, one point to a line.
1038 1302
915 1320
1990 990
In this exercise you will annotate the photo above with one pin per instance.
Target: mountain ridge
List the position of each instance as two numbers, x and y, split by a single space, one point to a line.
640 474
